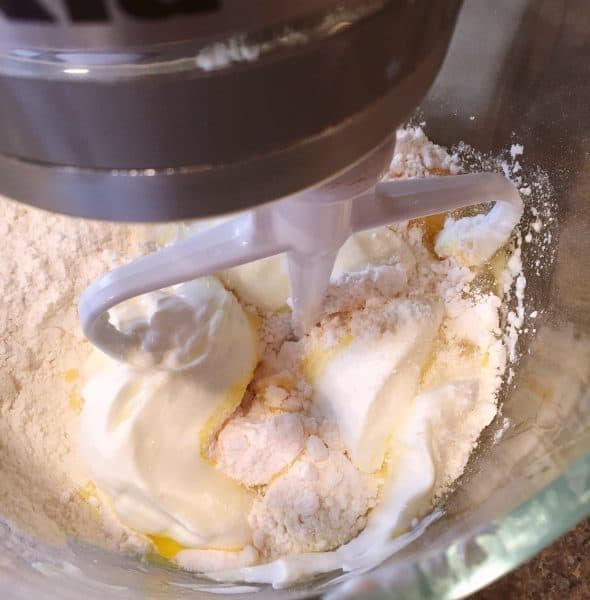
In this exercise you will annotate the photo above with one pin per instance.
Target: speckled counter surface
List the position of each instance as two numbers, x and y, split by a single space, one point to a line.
561 571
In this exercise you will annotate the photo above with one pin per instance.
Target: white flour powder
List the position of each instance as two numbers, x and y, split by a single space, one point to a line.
309 495
46 261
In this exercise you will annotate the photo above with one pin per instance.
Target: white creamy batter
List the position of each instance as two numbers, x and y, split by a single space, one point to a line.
234 450
141 430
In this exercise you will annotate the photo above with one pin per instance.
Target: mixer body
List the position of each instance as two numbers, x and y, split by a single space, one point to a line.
153 110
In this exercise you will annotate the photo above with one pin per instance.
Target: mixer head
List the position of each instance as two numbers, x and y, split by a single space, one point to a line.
151 110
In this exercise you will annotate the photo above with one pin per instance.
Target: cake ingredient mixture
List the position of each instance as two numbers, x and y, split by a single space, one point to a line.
251 456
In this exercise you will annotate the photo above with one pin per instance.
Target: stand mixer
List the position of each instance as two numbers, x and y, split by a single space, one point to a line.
154 111
516 72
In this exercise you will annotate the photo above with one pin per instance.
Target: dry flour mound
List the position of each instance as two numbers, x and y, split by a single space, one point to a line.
46 261
320 503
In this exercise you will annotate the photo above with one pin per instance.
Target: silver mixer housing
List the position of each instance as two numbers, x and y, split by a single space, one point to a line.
152 110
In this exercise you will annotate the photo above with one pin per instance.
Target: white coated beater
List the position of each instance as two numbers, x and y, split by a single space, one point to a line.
310 232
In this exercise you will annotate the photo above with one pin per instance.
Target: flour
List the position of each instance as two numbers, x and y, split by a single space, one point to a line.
253 452
308 494
317 505
46 261
533 245
416 156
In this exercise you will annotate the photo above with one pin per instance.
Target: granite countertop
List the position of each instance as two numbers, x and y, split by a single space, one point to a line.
561 571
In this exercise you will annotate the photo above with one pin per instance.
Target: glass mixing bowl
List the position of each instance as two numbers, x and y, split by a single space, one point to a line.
518 71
